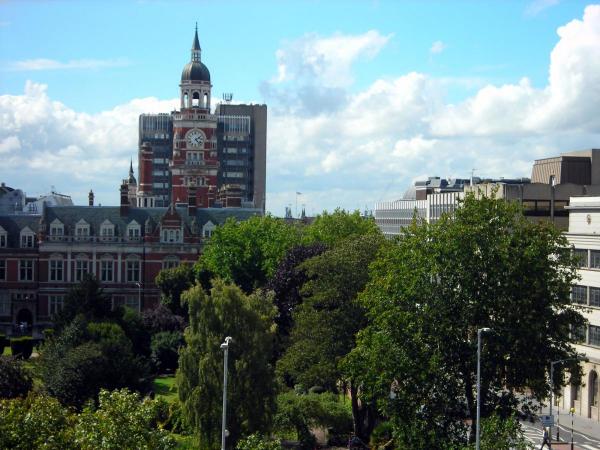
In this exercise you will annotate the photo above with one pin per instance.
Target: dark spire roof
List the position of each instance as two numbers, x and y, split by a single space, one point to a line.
196 44
195 70
131 167
131 180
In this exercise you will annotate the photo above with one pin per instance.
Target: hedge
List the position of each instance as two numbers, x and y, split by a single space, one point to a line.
22 347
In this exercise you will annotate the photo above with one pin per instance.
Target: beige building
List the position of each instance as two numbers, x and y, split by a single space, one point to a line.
584 235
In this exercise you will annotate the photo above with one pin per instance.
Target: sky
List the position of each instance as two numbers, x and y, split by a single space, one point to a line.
363 97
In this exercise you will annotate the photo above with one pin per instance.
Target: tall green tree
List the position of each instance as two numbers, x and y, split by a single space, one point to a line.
247 253
338 226
227 311
486 266
326 323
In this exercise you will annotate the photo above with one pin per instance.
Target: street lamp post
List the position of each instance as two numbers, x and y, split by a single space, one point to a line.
225 348
477 427
139 285
572 411
552 391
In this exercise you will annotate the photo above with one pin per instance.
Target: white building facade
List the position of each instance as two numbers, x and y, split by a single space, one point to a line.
584 236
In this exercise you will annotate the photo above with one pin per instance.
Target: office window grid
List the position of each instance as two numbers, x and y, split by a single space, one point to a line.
133 271
55 304
106 270
594 335
81 269
579 295
581 256
595 259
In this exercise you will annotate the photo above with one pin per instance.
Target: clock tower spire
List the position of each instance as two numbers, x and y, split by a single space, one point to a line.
194 165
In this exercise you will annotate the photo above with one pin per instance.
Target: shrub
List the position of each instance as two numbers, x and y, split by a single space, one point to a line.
48 333
14 380
257 442
22 347
121 421
164 350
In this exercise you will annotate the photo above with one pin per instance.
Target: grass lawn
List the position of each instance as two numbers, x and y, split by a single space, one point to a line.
164 386
7 351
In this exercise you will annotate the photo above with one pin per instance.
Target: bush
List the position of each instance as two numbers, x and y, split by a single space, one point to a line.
382 434
257 442
162 318
121 421
14 380
22 347
164 350
299 413
48 333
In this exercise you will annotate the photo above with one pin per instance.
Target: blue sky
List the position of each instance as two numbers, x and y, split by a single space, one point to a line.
363 97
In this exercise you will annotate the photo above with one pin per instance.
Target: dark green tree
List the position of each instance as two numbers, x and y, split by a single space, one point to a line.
227 311
172 283
86 357
326 323
487 266
247 253
286 283
86 298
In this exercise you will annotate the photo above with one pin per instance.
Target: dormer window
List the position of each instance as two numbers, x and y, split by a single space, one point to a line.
171 235
3 237
107 229
57 228
133 231
27 238
208 229
82 229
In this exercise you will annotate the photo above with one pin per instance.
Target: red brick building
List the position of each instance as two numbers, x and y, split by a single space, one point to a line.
43 256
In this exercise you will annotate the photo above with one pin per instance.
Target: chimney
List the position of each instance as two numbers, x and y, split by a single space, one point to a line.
91 198
124 198
192 200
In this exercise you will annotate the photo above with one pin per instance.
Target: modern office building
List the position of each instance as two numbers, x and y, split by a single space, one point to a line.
218 159
584 235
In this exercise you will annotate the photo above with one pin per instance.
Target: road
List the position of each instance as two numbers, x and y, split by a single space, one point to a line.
534 434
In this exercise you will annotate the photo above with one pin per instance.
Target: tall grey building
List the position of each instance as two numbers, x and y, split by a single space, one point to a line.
242 150
157 130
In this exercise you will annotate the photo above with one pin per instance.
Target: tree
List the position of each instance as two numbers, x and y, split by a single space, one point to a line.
162 318
84 358
14 379
338 226
87 299
172 283
486 266
227 311
247 253
121 420
326 322
165 346
286 283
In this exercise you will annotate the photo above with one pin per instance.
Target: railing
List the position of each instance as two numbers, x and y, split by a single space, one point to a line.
98 239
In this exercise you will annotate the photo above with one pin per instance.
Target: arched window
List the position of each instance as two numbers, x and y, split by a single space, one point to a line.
205 100
186 100
196 100
593 384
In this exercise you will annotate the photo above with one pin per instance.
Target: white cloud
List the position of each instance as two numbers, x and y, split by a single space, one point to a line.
349 149
52 64
328 59
537 6
381 137
9 144
437 47
72 150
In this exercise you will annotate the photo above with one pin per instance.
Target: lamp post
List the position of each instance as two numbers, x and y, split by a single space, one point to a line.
552 391
572 411
139 285
477 427
225 348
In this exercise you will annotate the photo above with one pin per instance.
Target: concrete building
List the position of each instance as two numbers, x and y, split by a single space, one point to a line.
217 158
584 235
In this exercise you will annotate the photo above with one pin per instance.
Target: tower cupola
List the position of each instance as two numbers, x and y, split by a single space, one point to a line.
195 80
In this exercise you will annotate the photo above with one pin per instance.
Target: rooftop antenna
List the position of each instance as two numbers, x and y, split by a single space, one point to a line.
472 173
227 97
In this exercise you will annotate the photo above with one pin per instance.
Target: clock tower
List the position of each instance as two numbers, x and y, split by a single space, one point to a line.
195 163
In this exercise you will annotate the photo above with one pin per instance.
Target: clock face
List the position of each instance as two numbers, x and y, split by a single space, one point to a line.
195 138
